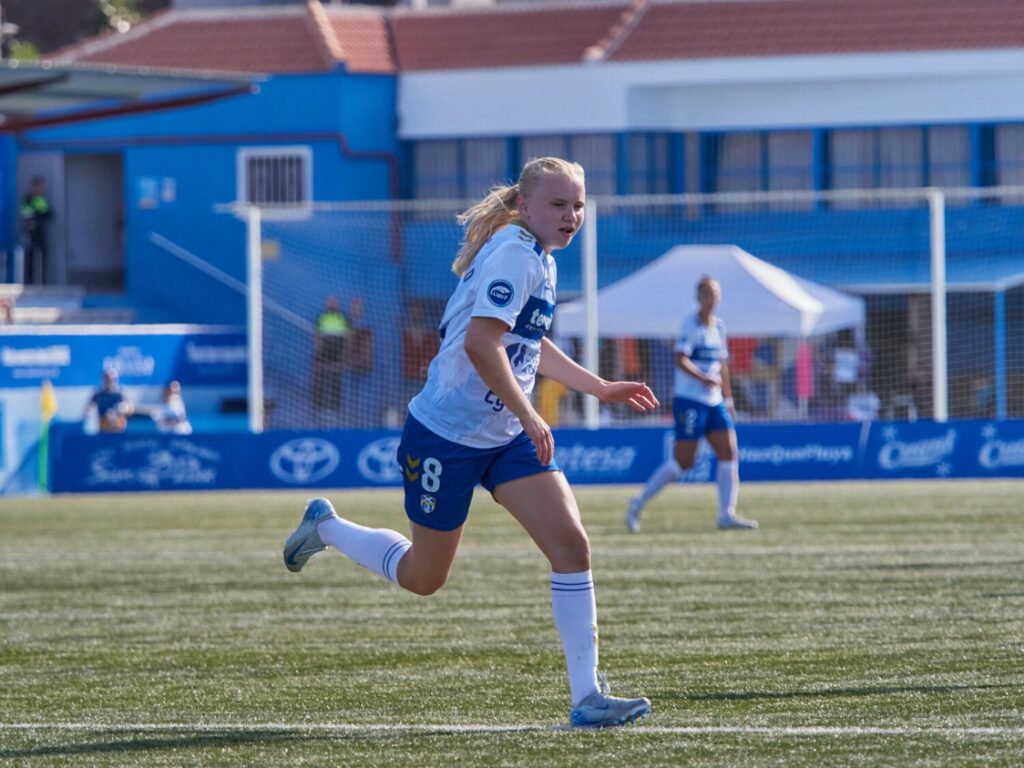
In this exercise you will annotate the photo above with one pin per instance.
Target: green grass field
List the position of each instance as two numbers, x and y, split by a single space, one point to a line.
863 624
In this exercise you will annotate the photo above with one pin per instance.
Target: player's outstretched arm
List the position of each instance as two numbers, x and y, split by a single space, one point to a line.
555 364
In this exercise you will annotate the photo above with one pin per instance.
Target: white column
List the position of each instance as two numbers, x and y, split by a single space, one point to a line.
254 254
940 389
591 405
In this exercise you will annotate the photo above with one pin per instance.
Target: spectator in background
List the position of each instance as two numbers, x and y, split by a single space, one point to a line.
360 393
35 213
110 404
332 328
170 416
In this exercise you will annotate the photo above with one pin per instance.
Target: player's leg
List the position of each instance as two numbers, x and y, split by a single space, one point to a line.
685 415
544 505
723 443
439 477
379 550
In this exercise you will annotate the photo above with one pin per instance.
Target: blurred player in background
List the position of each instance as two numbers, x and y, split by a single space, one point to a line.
473 422
702 407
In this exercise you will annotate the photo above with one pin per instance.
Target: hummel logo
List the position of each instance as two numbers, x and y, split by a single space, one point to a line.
413 463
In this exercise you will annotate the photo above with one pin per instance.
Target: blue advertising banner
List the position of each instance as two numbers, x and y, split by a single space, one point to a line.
141 356
367 458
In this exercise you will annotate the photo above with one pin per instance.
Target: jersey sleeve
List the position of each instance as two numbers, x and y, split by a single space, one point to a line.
507 279
685 340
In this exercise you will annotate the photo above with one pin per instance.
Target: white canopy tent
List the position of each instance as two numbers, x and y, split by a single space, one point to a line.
758 299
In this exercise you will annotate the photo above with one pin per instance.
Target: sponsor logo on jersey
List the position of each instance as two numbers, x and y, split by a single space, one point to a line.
535 319
500 293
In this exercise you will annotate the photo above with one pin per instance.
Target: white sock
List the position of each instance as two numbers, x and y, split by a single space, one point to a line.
667 473
728 489
575 612
377 549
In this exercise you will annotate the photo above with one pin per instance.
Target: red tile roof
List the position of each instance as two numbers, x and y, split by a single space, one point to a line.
266 40
673 30
506 36
318 38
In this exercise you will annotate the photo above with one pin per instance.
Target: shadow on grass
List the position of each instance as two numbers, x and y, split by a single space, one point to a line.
129 743
874 690
158 743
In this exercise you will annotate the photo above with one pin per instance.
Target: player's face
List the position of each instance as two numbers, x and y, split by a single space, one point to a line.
553 211
708 295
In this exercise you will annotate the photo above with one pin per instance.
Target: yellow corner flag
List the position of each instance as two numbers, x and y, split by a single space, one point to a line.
48 408
48 400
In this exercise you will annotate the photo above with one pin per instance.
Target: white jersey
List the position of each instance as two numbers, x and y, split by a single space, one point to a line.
513 280
706 346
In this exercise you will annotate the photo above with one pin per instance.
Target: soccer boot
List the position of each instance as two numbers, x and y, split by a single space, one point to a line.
599 710
725 523
633 516
305 541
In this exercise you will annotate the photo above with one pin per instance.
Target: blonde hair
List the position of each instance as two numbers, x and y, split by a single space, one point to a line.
498 207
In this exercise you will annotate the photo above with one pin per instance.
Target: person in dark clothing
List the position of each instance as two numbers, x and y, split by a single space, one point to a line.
110 403
35 214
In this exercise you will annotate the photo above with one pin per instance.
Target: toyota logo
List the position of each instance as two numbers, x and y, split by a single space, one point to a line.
304 460
378 462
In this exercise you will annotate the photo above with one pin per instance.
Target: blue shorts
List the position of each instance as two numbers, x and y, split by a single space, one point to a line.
439 476
695 419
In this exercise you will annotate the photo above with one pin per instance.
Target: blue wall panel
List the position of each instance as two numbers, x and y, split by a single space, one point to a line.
366 458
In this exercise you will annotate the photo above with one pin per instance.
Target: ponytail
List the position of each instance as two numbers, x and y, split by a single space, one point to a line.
482 220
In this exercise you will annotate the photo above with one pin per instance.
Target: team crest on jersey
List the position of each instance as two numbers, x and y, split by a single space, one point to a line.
500 293
428 503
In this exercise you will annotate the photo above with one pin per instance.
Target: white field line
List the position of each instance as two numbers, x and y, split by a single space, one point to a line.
409 728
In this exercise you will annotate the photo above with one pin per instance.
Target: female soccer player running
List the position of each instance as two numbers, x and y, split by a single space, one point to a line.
473 423
702 406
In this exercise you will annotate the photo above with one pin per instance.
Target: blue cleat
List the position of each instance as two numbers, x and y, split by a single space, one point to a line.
736 523
600 710
305 541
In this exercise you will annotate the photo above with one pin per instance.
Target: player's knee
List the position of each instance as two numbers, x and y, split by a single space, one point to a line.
684 463
573 553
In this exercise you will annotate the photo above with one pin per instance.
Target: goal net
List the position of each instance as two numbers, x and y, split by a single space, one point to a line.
827 298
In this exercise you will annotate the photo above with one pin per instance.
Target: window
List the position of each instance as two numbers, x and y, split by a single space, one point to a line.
596 153
949 156
648 164
485 161
876 158
278 177
1009 155
436 170
740 163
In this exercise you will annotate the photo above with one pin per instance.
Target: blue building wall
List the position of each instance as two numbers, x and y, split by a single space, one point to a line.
179 164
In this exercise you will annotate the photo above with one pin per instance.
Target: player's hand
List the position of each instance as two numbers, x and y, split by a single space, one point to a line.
540 433
636 393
